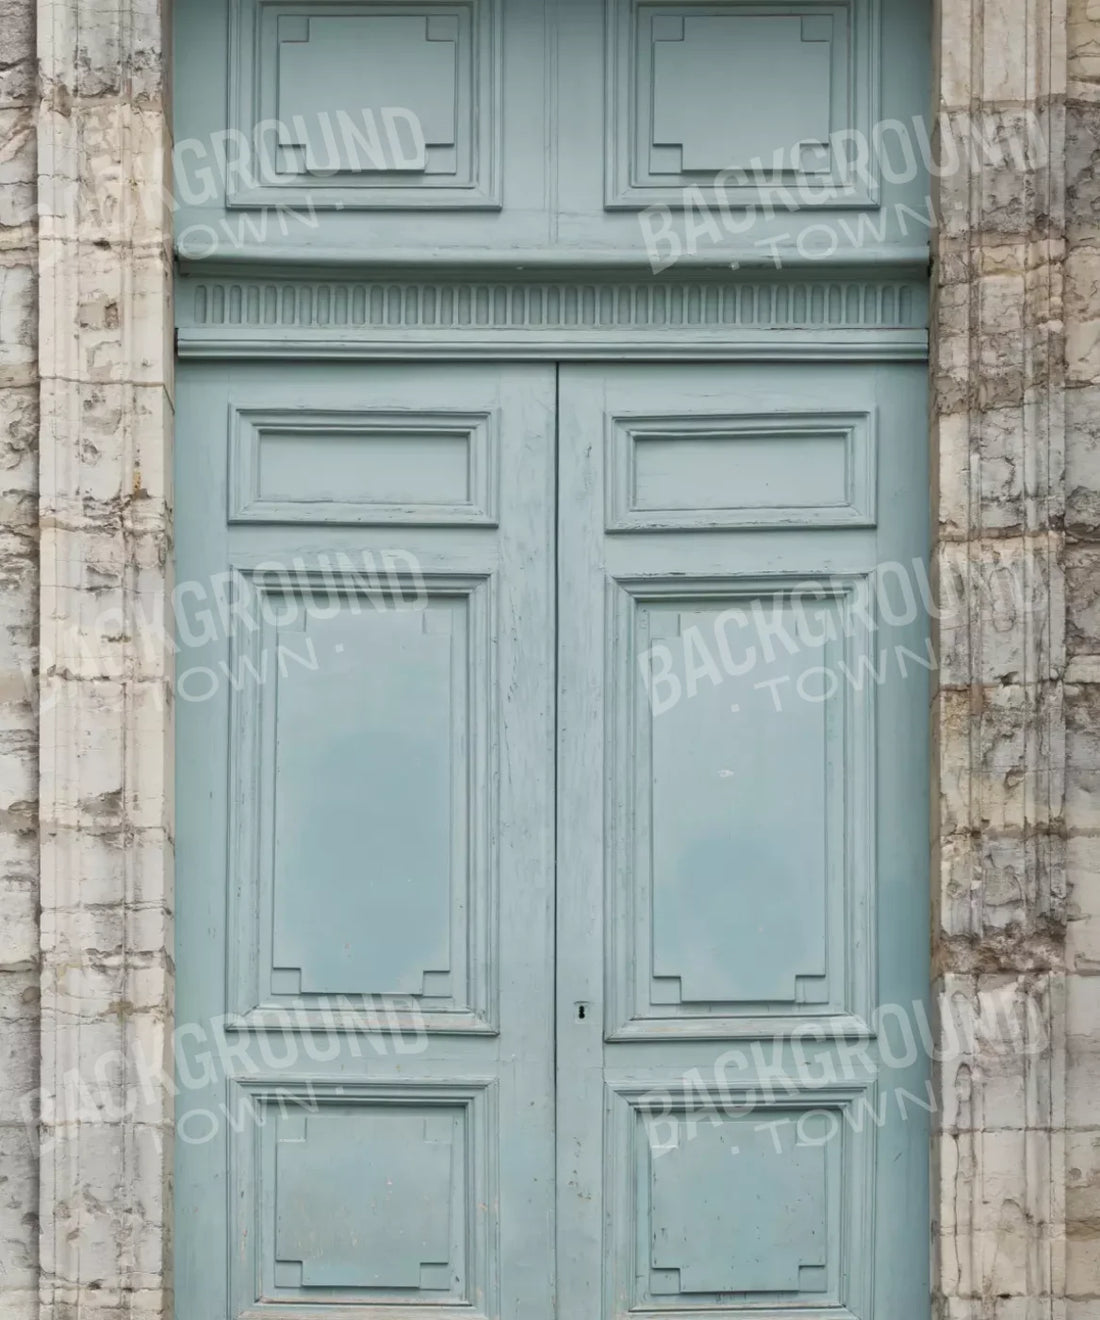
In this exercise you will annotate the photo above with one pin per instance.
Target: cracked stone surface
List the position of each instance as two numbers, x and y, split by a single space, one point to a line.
1016 889
85 723
19 859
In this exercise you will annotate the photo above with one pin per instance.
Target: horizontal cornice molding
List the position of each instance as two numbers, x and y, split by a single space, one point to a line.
762 258
234 314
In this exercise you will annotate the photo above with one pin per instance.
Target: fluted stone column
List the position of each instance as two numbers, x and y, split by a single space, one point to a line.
105 364
1001 894
1082 693
18 632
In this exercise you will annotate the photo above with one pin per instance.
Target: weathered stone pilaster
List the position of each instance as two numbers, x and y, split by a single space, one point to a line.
18 629
999 712
105 695
1083 660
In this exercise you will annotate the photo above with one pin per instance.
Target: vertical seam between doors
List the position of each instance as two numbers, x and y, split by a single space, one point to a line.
556 725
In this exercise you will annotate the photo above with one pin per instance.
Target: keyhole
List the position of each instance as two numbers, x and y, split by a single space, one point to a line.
582 1010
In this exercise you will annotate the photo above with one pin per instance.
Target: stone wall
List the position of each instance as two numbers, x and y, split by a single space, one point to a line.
1016 719
19 1053
998 716
85 1228
1082 693
104 966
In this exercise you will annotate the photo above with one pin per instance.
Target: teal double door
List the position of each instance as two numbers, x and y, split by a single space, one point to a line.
551 841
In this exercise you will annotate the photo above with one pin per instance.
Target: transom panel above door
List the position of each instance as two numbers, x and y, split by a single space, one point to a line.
520 131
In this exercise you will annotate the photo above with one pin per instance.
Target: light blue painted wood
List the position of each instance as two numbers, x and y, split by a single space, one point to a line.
705 79
336 1183
365 768
367 814
367 765
595 315
782 470
329 466
393 1099
695 804
325 63
610 108
760 1235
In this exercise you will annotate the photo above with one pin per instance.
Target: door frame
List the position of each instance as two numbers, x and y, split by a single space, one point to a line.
105 724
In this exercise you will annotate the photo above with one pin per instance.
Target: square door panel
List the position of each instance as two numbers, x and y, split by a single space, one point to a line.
693 96
734 1202
361 816
741 850
367 1194
366 103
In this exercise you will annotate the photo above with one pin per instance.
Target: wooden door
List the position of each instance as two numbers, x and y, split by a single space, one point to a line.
365 842
742 815
552 808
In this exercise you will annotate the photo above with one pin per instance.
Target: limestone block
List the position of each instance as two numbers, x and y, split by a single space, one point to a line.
1084 49
1083 315
952 474
1083 1051
1083 929
18 169
17 71
1083 460
996 598
19 1076
18 325
1082 176
1083 1213
18 1217
19 927
992 169
995 1046
998 757
1083 599
995 1212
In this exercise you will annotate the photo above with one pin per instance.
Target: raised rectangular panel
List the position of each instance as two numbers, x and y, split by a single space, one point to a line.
366 103
769 470
740 859
738 1201
329 466
360 814
377 1194
327 65
694 97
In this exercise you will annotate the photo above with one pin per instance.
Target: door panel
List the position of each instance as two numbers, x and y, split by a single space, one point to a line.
365 831
741 823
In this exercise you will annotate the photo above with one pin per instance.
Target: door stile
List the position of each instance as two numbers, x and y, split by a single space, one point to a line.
580 888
